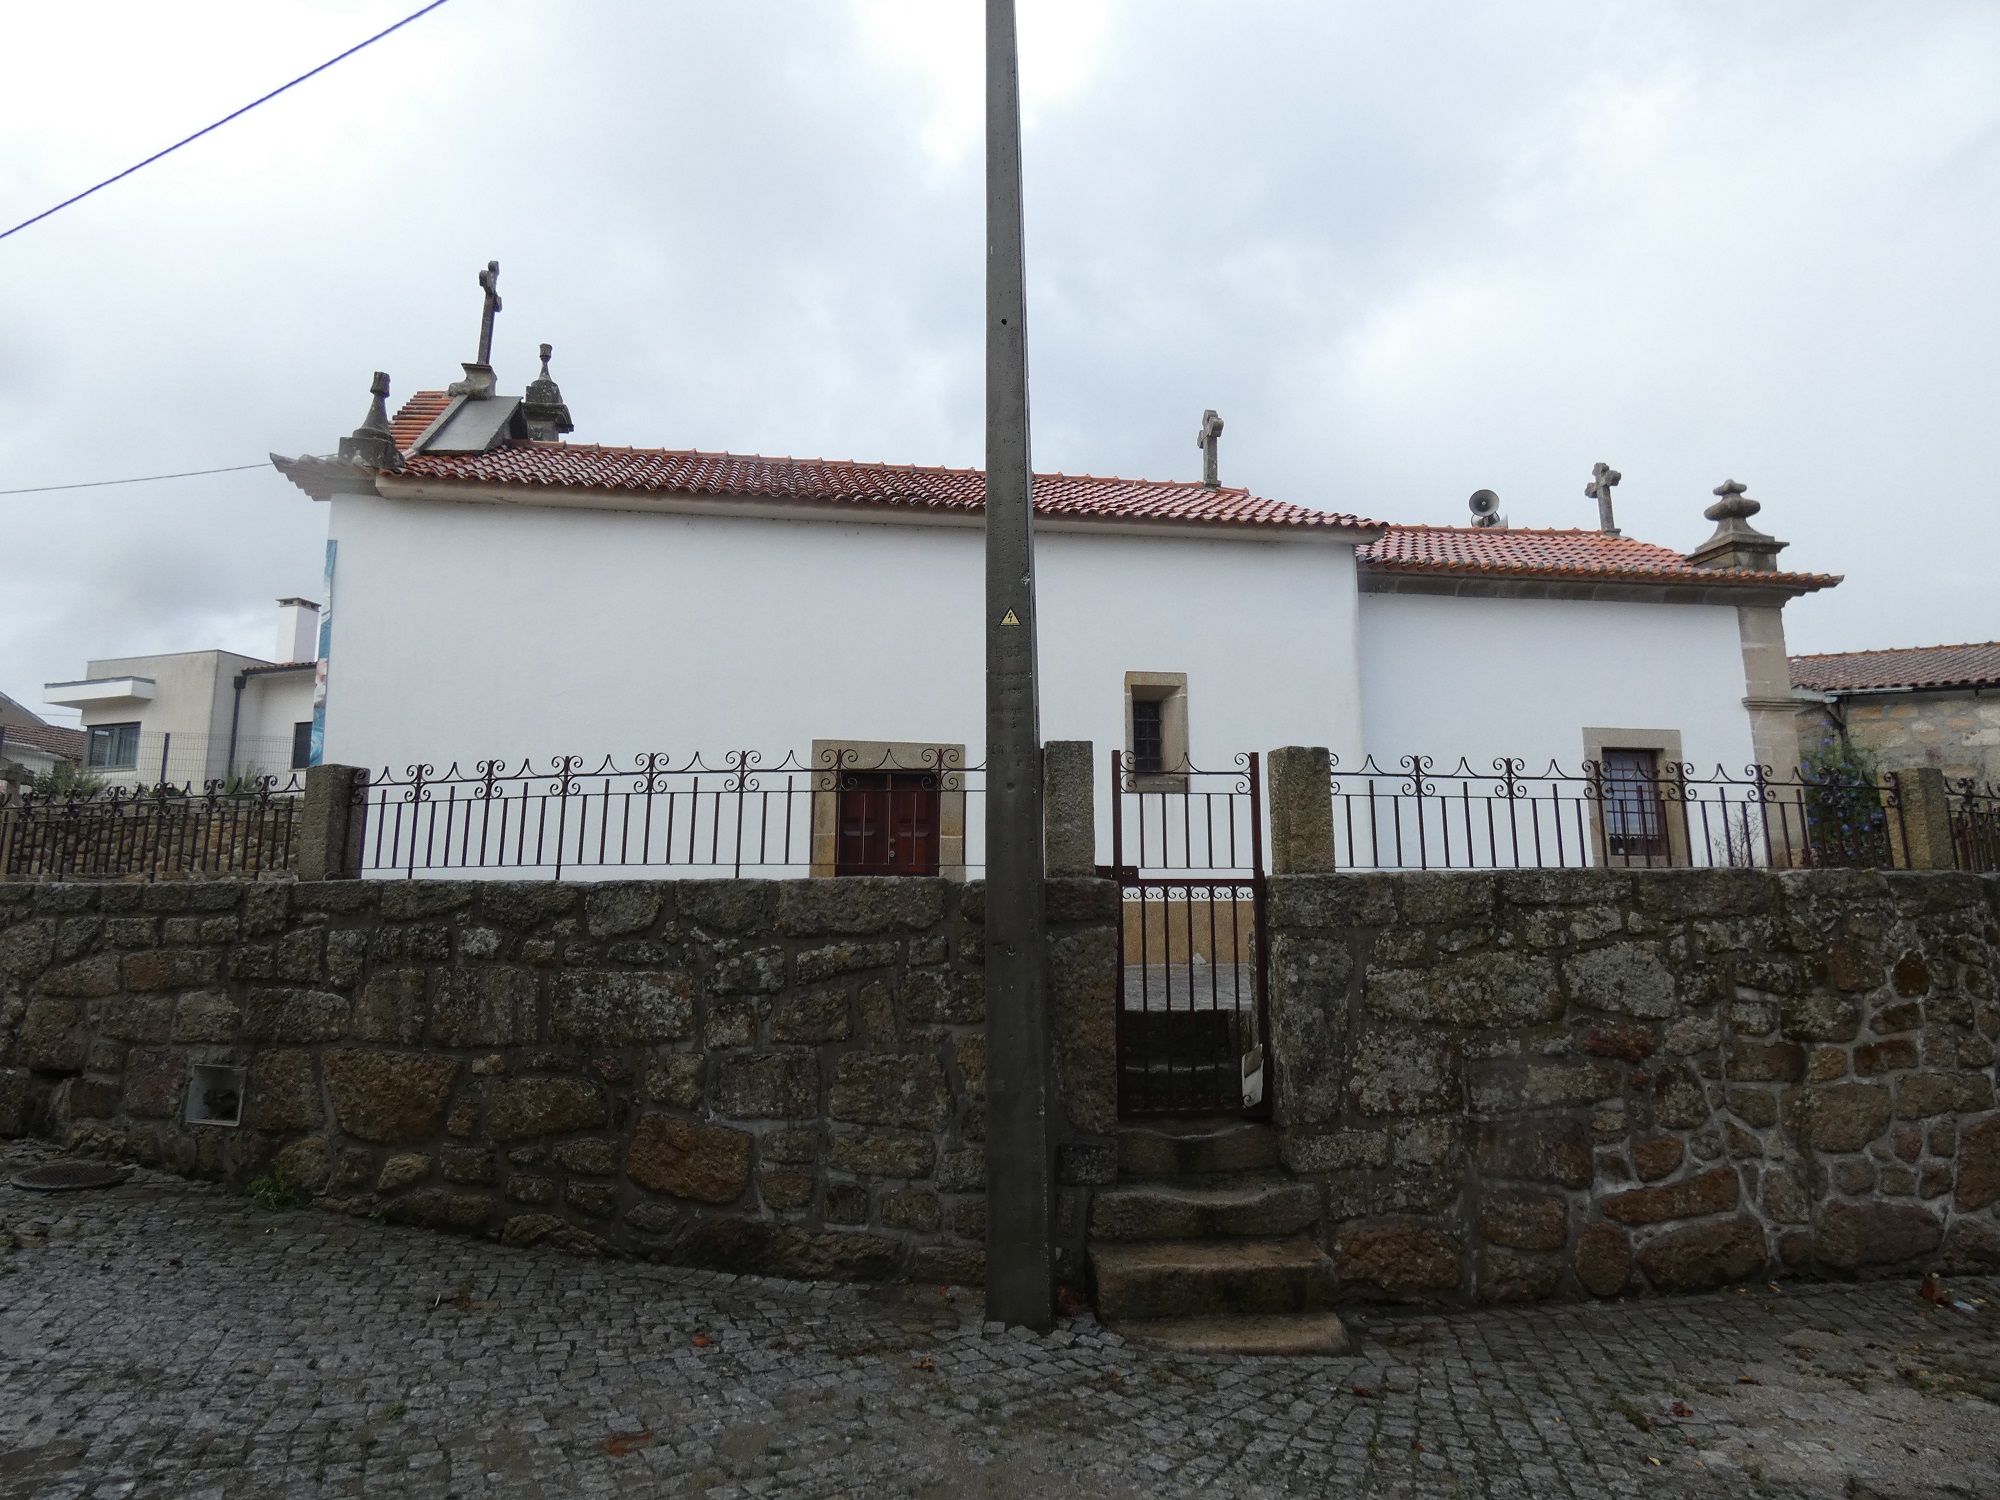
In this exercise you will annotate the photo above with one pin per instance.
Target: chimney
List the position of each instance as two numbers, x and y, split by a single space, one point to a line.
298 630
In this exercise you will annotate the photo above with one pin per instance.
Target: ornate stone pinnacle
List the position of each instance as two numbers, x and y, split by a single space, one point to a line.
1733 502
543 409
1737 546
372 444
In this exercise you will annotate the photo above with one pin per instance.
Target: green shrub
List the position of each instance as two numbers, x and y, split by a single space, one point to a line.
1846 821
66 779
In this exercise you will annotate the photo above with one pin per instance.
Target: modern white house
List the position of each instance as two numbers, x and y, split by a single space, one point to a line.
497 592
189 718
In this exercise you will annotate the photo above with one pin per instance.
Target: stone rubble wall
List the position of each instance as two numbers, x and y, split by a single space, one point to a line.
1528 1085
784 1077
1500 1086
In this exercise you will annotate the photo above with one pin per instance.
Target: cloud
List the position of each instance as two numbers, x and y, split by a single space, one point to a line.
1408 251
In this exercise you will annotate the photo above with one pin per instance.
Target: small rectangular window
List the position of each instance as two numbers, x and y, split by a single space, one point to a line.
1149 745
112 747
1635 822
1156 729
302 744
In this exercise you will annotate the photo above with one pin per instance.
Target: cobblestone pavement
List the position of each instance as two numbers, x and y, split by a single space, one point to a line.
163 1338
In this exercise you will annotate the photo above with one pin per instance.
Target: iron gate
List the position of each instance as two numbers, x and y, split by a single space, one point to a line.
1187 850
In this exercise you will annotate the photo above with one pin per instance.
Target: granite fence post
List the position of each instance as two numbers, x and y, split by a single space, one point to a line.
1300 779
331 824
1923 809
1069 807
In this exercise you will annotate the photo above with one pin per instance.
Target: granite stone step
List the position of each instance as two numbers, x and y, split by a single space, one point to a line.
1178 1148
1258 1333
1205 1278
1256 1207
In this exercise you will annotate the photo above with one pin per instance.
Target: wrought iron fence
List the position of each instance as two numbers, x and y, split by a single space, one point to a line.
836 813
1626 814
1975 824
242 828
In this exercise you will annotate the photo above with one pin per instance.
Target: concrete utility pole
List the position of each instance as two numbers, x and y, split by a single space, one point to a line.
1019 1257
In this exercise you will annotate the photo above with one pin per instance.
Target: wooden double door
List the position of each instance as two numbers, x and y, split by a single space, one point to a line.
889 823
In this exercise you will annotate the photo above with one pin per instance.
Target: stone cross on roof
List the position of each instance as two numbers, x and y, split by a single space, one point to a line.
1208 440
489 283
1602 478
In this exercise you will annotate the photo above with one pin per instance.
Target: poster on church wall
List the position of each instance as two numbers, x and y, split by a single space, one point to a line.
318 752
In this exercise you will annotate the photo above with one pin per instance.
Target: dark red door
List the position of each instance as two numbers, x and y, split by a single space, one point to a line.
888 823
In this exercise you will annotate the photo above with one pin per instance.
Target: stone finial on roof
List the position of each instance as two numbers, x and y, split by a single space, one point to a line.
1209 439
543 409
1736 544
1602 478
372 444
479 372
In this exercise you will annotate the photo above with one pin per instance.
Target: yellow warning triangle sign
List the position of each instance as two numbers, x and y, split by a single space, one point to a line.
1010 618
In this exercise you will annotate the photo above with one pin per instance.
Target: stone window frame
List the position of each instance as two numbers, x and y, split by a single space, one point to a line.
1667 744
943 756
1170 691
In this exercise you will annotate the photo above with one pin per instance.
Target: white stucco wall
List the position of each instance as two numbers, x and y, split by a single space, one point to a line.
1479 678
272 704
464 630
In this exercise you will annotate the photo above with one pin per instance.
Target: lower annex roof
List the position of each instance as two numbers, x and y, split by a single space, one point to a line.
1976 664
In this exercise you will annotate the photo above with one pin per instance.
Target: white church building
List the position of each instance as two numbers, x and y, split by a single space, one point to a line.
496 592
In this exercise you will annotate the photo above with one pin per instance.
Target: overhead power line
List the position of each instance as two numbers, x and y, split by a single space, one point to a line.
98 484
426 10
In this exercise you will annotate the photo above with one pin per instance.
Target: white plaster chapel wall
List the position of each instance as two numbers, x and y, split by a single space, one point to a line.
1446 676
464 630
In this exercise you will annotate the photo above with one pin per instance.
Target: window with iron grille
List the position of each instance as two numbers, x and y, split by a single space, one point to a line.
112 747
1635 821
888 823
1149 742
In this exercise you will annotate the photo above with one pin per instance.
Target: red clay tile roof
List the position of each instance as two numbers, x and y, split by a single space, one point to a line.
1974 665
418 413
1452 550
1500 552
67 743
584 466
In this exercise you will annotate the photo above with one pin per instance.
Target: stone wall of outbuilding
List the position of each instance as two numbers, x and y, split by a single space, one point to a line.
1556 1084
784 1077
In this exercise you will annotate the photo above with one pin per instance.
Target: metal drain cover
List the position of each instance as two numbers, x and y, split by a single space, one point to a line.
70 1176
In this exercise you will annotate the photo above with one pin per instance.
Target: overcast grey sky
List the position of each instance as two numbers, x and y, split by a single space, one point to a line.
1407 250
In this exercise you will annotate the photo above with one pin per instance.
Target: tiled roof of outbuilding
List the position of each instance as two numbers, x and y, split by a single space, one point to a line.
54 738
1973 665
664 471
1509 552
